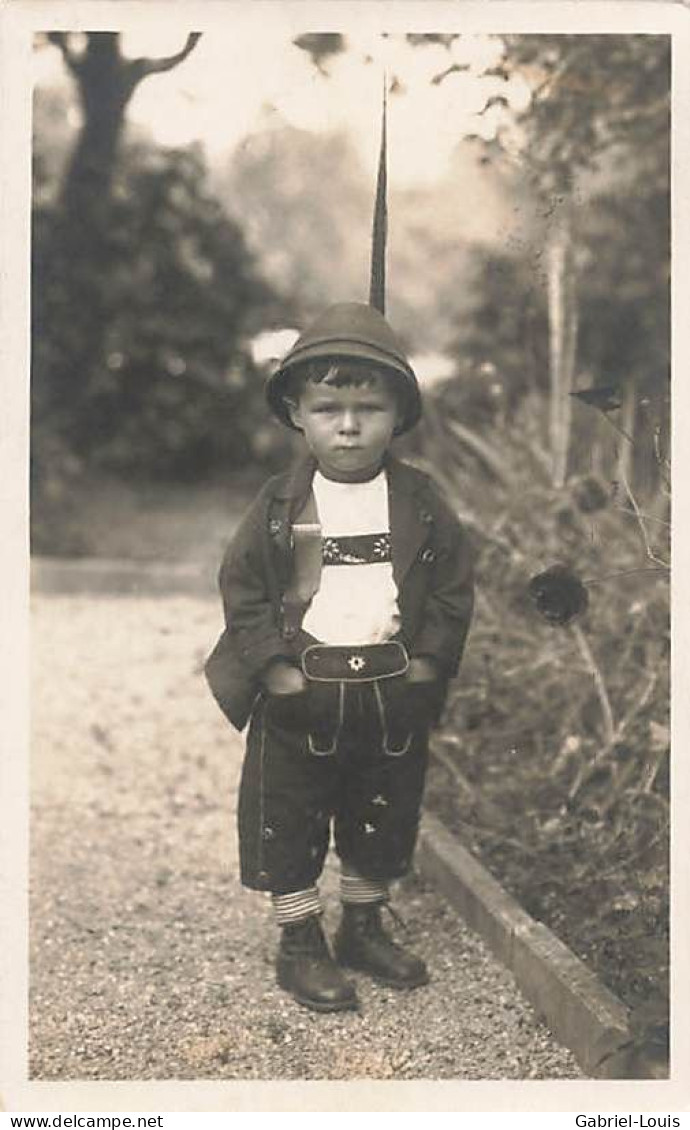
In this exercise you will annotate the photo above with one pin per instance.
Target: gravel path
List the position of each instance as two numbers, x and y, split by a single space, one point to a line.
149 961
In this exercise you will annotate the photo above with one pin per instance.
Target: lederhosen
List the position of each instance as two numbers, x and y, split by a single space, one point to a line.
351 748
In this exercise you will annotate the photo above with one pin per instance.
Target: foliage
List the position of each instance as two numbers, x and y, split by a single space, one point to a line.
321 46
175 392
625 288
624 320
591 96
501 345
553 760
143 291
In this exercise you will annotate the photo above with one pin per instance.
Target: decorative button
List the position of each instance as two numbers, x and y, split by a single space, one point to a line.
268 833
369 828
380 800
426 516
275 526
356 662
428 556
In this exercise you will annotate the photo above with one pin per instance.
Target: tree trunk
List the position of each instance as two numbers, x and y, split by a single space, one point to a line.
562 339
625 451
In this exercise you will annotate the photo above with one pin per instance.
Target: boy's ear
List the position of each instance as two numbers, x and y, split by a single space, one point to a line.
293 411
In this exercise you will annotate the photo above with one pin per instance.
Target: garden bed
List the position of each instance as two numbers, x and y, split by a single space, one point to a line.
552 765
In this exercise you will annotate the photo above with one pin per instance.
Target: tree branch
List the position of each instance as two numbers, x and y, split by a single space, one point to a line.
455 69
141 68
615 738
60 40
643 529
602 693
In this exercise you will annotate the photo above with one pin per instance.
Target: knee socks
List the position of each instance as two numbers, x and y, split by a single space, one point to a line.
296 906
354 888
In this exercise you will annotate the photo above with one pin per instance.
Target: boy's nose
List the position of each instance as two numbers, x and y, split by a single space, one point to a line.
349 422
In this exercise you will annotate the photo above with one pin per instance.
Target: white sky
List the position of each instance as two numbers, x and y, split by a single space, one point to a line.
233 84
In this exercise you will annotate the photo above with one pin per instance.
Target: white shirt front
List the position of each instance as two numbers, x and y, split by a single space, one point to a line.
357 603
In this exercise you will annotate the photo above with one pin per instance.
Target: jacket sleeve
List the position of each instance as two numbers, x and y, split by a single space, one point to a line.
248 603
450 600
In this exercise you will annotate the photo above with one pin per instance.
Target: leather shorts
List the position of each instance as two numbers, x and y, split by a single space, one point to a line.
350 755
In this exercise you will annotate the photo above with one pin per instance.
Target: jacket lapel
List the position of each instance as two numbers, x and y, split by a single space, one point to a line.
291 495
296 485
408 528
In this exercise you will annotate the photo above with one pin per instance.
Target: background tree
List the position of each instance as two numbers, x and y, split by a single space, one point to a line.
599 105
70 300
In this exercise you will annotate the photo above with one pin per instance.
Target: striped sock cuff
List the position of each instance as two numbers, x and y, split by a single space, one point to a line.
355 888
296 905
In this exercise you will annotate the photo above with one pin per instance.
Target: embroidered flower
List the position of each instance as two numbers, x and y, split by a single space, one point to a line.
356 549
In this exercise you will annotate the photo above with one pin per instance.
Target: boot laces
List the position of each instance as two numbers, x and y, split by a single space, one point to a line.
395 915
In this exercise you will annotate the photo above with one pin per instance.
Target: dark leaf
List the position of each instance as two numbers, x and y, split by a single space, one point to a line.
590 495
429 39
320 46
496 100
455 69
605 398
558 595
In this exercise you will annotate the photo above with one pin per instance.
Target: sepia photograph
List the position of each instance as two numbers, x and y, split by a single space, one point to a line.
349 498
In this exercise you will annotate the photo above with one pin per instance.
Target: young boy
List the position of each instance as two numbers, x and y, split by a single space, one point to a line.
348 596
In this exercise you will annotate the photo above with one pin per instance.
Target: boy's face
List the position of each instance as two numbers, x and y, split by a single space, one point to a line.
348 429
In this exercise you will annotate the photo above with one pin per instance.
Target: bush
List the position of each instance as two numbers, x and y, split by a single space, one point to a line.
552 763
174 389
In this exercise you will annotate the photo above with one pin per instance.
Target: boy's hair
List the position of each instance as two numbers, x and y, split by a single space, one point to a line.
337 373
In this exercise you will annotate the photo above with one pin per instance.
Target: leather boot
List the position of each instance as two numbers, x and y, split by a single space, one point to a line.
362 943
306 968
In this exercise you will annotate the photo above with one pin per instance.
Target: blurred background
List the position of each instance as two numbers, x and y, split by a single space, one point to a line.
193 210
197 200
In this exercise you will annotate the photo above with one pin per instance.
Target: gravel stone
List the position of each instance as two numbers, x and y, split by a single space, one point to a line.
148 959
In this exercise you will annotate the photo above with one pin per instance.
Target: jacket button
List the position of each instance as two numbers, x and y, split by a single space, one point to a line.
426 516
428 556
275 526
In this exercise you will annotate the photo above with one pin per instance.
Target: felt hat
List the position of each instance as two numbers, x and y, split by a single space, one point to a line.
356 331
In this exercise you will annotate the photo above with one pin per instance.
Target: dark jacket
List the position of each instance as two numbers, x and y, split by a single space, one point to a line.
432 567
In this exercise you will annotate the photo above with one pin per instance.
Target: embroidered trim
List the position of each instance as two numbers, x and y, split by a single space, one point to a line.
356 549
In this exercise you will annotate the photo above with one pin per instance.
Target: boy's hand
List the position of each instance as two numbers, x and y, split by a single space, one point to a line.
422 670
281 677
